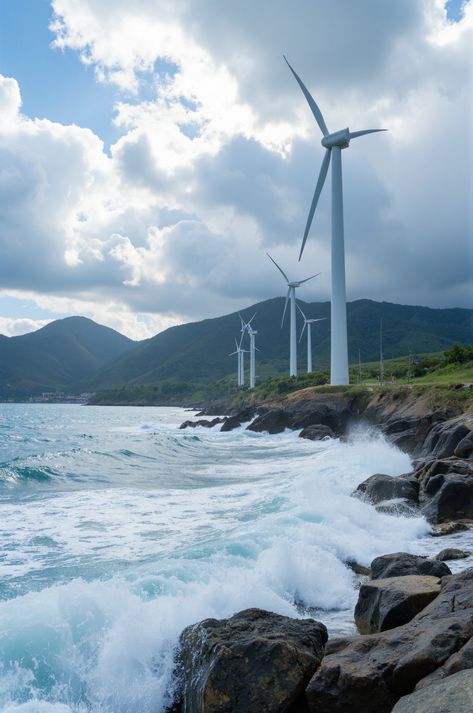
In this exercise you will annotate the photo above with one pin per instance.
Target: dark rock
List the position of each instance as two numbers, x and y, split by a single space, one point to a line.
379 487
448 528
461 660
451 695
386 603
358 568
368 674
254 661
432 468
202 422
400 564
398 507
465 448
317 433
443 438
235 421
450 553
453 500
274 421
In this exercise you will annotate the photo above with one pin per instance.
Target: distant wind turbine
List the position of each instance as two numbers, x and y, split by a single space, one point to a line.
333 143
291 295
240 360
308 323
252 333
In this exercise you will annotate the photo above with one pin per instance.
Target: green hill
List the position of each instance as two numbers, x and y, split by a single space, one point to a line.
198 352
60 354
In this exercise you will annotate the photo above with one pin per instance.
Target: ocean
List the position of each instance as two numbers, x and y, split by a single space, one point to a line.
117 530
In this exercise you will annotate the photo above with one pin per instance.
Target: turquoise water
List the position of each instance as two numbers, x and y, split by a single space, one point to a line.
117 529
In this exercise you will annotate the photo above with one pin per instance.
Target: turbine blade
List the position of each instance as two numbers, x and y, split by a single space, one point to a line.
305 322
250 321
309 278
315 199
300 310
279 268
311 102
233 353
285 306
356 134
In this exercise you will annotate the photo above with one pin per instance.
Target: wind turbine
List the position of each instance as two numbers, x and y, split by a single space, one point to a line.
252 333
241 366
291 295
333 144
308 323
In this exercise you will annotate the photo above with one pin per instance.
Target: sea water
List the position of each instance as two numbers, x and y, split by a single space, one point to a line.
118 529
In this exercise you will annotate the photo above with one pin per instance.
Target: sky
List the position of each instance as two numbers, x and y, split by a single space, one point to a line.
153 151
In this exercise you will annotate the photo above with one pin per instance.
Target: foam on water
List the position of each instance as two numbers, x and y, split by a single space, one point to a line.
157 528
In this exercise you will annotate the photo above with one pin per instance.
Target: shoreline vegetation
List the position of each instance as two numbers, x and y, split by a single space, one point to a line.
414 649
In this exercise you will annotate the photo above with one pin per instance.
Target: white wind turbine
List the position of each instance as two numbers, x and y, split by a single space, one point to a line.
291 295
308 323
252 333
241 365
333 143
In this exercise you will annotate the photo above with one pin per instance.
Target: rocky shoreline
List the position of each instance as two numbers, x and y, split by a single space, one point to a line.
414 652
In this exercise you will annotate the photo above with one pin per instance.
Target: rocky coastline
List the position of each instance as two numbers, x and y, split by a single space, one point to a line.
414 649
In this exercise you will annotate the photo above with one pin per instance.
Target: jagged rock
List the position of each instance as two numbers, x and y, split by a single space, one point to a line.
254 661
400 564
380 487
274 421
358 568
202 422
461 660
431 473
235 421
451 695
452 501
443 438
450 553
465 448
368 674
448 528
317 433
386 603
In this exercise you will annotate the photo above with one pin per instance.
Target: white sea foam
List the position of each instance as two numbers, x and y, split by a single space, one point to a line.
113 574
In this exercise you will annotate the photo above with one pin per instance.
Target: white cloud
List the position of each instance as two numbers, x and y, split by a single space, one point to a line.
219 162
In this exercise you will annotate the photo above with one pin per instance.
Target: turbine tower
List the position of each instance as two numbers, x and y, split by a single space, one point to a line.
291 295
333 144
308 323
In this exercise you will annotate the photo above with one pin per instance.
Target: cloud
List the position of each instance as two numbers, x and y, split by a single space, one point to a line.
219 154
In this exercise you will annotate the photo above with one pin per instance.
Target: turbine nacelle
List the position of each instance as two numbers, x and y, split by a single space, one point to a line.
339 138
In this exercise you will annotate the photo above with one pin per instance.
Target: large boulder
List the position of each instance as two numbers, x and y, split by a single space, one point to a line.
459 661
400 564
254 661
451 695
386 603
274 421
235 421
465 448
451 553
317 433
453 500
380 487
368 674
444 437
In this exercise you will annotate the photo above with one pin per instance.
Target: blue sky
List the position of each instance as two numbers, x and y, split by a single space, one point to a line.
213 157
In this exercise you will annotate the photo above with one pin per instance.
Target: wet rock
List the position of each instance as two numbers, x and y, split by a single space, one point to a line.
465 447
443 438
386 603
254 661
431 473
370 673
274 421
202 422
460 661
398 507
400 564
317 432
235 421
448 528
451 695
452 501
450 553
358 568
380 487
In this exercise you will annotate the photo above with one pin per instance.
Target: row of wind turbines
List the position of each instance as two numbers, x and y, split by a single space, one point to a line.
333 144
